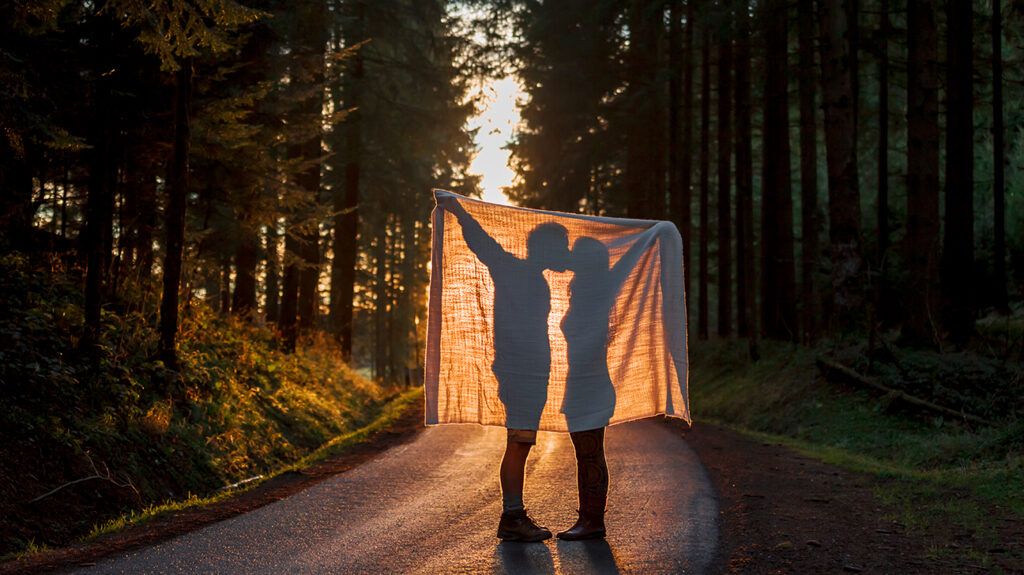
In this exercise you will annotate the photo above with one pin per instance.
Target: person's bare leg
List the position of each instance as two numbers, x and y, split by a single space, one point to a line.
513 474
515 524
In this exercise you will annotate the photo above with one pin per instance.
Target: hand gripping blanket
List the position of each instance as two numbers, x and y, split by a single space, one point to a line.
552 321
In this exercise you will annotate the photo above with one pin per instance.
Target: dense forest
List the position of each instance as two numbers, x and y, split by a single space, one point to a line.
273 159
207 209
834 167
215 214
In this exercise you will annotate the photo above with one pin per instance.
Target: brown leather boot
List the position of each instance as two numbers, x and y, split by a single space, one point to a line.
517 526
590 525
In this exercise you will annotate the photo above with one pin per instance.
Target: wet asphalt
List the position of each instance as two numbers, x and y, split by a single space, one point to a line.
432 506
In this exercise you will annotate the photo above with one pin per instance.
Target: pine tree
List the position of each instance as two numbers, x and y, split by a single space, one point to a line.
705 150
346 191
998 163
958 241
922 239
838 100
778 290
809 216
645 139
745 285
725 95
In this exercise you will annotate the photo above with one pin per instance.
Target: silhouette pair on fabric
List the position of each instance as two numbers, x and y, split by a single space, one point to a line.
522 302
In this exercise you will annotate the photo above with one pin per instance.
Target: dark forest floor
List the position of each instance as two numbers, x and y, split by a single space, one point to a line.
784 512
876 484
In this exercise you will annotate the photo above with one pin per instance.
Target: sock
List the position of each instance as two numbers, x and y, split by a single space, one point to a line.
511 502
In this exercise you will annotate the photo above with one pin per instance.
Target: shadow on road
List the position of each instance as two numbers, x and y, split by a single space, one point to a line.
523 558
573 557
593 556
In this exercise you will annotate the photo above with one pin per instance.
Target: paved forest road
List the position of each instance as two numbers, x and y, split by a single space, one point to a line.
432 505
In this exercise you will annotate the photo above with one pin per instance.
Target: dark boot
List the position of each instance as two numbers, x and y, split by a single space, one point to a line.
592 481
590 524
517 526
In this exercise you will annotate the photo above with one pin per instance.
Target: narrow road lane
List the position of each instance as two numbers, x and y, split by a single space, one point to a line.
431 506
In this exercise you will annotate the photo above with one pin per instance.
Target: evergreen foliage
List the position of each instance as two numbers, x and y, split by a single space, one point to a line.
871 238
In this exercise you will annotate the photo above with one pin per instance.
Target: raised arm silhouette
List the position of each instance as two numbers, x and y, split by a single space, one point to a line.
522 302
589 400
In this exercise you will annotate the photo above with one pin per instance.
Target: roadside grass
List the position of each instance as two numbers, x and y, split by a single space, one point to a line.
935 475
390 413
90 435
29 549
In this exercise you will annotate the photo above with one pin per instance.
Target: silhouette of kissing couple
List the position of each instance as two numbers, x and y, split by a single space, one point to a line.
522 302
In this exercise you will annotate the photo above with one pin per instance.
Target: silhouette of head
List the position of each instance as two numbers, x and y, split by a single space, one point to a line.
548 246
589 256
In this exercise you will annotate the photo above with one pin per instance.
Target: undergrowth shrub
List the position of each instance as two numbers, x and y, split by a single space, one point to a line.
237 407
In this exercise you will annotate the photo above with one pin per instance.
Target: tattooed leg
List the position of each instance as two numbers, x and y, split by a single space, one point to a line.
591 469
592 479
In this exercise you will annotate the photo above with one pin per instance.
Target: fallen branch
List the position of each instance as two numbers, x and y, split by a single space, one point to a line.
830 368
106 475
240 483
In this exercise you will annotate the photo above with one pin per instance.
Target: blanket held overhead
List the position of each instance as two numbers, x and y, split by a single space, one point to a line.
552 321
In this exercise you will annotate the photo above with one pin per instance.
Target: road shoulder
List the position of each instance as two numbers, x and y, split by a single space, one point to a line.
377 440
782 512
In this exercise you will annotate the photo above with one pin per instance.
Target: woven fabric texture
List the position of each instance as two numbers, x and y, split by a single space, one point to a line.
552 321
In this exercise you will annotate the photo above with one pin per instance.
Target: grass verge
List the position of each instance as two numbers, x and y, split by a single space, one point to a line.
390 413
965 486
397 420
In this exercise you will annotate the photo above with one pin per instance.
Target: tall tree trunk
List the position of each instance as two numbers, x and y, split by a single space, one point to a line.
998 164
126 201
288 318
146 226
225 285
273 277
883 297
64 191
174 215
958 243
705 149
778 289
745 285
16 196
309 47
243 300
139 213
853 35
922 239
97 239
675 115
809 224
380 308
841 158
257 53
645 139
724 172
309 278
346 198
686 162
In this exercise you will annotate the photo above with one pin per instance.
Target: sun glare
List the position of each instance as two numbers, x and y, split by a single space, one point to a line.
495 125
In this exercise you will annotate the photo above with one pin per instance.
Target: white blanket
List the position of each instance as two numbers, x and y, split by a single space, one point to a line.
552 321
